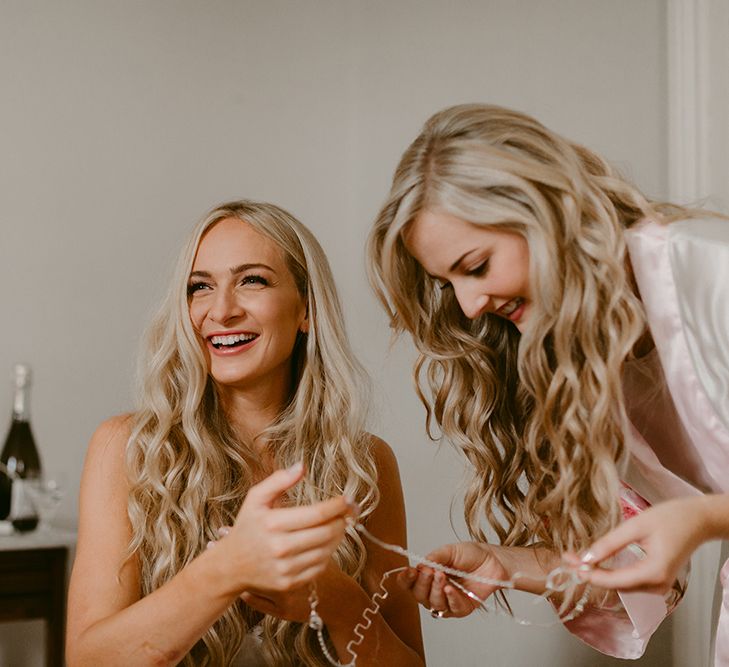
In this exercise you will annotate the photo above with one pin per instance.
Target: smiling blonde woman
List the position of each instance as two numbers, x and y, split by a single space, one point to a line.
206 514
571 332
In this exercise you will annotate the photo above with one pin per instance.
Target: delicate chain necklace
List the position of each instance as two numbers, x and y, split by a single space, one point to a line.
559 580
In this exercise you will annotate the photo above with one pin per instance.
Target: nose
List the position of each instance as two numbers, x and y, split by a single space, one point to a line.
471 299
226 307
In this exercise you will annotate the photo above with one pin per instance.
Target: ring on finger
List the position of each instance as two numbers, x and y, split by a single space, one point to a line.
437 613
465 591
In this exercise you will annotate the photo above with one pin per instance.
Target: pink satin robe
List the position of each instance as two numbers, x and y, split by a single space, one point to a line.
682 270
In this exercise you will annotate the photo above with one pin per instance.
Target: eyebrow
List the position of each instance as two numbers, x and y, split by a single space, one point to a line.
453 266
457 263
241 268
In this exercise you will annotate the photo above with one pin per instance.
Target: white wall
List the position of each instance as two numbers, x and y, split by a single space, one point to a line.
716 123
121 123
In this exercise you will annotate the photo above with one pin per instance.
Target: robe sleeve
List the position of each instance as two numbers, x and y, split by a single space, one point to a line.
622 624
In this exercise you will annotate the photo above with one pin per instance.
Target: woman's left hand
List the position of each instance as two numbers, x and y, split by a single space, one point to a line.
289 606
444 596
667 533
294 605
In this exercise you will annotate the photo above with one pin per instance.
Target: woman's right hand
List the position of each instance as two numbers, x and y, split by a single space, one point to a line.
281 548
432 589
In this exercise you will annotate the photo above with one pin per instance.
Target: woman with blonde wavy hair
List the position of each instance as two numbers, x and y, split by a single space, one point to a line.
249 440
573 342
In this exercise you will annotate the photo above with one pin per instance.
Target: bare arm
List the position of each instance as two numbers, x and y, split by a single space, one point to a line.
394 638
434 590
110 623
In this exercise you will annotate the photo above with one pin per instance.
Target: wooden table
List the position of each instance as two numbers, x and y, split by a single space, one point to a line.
33 583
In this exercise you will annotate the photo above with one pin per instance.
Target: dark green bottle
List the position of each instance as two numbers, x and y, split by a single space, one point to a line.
19 458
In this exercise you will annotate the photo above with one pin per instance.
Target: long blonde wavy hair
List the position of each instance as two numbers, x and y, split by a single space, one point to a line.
539 416
189 471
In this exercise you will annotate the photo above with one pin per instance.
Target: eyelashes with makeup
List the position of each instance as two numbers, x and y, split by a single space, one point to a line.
476 271
479 270
196 287
251 279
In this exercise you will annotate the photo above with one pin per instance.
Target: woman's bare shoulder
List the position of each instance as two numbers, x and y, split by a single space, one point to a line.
106 451
385 460
388 517
112 434
381 450
114 429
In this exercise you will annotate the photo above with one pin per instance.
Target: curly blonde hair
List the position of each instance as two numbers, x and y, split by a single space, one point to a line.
189 471
539 416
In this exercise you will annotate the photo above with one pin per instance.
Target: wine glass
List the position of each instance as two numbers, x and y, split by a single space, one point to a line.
46 495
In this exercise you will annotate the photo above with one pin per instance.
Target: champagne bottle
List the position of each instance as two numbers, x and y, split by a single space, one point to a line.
20 459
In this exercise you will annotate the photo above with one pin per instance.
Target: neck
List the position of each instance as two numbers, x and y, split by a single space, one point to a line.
251 411
645 343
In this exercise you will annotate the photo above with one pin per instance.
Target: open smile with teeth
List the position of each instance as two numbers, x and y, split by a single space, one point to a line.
509 307
232 340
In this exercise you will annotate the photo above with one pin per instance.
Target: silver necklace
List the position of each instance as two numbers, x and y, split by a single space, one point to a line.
559 580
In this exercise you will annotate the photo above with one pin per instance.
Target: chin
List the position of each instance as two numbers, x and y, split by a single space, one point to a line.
227 376
523 324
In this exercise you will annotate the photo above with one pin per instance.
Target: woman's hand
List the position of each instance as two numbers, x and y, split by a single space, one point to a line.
272 548
294 605
290 605
432 589
667 533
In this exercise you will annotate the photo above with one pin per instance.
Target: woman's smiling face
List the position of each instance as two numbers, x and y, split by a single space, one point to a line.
245 306
487 269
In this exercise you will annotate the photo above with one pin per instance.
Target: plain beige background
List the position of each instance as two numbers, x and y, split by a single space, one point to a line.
121 123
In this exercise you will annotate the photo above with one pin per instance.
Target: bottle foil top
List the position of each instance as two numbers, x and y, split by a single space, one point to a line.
22 375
